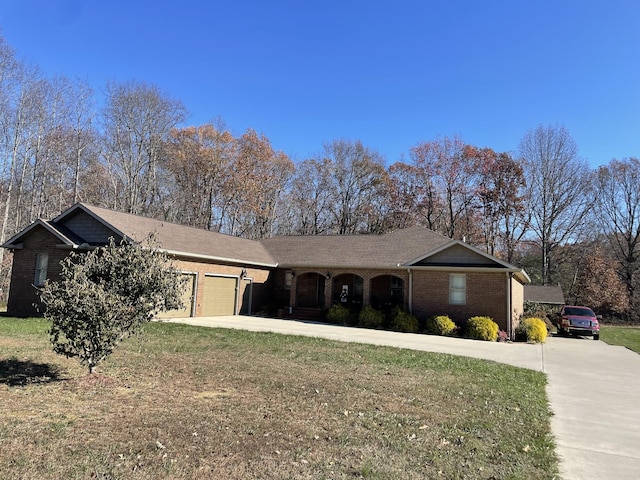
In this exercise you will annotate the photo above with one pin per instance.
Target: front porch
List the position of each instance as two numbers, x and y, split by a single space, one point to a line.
319 291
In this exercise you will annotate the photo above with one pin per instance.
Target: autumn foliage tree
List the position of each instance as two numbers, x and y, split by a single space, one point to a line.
260 176
412 198
199 161
600 286
501 197
454 175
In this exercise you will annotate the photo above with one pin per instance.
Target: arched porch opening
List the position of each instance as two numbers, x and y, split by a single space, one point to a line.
347 289
387 291
310 290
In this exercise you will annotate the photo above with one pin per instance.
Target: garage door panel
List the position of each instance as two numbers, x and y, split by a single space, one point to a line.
187 299
219 297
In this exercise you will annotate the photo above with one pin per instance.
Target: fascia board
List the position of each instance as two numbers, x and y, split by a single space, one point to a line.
39 223
196 256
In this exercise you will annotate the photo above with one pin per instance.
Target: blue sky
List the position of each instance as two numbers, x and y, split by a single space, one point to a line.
391 74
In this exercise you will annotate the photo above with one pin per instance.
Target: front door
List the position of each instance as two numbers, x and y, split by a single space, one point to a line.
310 290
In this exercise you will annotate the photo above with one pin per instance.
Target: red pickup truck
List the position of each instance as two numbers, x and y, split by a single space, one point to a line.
578 321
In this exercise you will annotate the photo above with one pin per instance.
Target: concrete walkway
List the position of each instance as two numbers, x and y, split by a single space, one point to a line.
593 388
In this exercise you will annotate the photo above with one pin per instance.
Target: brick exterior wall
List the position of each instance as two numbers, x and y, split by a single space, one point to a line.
23 298
486 295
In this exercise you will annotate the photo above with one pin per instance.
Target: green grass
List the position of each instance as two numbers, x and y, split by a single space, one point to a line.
618 335
188 402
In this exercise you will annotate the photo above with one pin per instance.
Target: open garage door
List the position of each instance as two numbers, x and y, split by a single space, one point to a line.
219 296
187 299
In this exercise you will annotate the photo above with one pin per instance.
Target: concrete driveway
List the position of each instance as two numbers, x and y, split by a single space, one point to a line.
593 388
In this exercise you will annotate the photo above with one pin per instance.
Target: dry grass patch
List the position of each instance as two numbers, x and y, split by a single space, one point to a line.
187 402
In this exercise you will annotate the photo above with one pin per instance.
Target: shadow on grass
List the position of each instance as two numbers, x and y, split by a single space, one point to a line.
14 372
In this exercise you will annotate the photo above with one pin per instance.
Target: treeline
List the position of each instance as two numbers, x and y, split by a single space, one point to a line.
541 207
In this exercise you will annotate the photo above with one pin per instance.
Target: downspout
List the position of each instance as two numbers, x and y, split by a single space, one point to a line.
509 309
410 272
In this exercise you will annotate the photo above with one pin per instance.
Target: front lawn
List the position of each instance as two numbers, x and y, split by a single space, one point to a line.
189 402
618 335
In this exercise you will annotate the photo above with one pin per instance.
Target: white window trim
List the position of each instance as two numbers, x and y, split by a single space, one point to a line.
457 289
42 264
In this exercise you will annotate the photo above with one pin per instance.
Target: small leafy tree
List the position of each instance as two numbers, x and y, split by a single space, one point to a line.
106 295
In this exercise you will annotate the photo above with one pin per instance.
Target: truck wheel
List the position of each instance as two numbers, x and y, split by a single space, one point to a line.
596 337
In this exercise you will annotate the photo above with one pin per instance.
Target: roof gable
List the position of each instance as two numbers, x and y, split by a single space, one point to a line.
87 226
457 254
16 240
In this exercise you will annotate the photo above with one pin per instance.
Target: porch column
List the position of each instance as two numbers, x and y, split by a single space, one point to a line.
366 289
328 285
292 292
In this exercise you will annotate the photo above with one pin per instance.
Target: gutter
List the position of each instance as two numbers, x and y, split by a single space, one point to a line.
219 259
184 255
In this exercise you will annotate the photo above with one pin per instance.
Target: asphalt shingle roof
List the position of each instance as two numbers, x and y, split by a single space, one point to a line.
399 248
369 251
551 294
180 238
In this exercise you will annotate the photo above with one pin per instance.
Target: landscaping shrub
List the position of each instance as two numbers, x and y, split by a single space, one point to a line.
482 328
440 325
402 321
503 336
369 317
532 329
339 315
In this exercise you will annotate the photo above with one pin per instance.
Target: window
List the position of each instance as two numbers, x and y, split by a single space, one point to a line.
457 289
397 291
358 287
288 275
42 261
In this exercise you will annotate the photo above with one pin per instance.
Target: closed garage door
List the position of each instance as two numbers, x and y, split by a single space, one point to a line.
219 296
187 299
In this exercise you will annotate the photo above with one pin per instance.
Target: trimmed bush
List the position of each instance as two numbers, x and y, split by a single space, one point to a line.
533 329
440 325
402 321
369 317
339 315
482 328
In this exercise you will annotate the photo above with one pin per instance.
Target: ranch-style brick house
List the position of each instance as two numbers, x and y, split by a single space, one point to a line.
416 268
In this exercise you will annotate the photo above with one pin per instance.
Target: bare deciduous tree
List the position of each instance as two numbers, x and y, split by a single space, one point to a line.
357 174
136 120
558 183
618 186
309 199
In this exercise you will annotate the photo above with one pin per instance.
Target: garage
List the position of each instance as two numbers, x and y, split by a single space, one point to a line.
219 296
187 299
